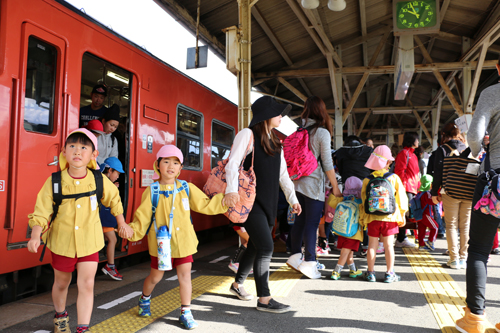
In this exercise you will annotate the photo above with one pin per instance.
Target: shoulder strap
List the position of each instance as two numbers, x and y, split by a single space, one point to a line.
99 186
57 198
155 196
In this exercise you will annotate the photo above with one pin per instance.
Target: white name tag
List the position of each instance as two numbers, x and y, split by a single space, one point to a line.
472 169
185 203
93 202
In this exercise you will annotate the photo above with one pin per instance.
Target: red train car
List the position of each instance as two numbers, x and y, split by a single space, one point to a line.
51 55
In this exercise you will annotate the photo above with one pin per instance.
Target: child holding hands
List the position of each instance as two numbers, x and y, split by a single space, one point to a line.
74 235
174 211
427 220
385 202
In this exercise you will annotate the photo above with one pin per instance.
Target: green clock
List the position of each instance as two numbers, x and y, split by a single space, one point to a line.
421 15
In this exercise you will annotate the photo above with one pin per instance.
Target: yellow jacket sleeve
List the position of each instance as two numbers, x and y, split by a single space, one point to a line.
111 197
201 203
43 207
142 217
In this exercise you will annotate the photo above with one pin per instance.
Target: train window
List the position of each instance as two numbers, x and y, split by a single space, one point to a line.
222 138
40 86
189 136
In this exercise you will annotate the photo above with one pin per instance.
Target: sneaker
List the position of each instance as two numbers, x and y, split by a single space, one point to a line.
380 248
362 253
240 293
405 243
113 273
320 266
370 276
389 278
495 251
355 274
455 264
472 323
233 266
462 263
441 236
187 320
423 248
430 246
61 325
335 275
144 307
310 269
294 261
273 307
321 252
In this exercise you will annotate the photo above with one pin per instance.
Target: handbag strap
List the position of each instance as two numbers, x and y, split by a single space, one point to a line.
250 146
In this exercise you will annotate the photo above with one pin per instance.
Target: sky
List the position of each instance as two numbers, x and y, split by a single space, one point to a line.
149 26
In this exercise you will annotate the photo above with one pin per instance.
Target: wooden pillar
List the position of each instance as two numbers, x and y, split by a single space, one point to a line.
339 124
245 72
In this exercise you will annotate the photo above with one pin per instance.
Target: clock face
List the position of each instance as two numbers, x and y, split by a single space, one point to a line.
416 14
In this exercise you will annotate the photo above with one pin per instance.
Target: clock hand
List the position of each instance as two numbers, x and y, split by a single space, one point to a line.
414 12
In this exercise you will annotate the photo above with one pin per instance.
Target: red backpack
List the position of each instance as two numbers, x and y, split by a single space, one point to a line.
299 158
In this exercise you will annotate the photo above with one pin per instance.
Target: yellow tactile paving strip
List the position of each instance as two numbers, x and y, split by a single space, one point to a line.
281 283
444 296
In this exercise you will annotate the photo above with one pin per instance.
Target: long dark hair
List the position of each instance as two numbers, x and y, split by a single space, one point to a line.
315 109
409 139
271 145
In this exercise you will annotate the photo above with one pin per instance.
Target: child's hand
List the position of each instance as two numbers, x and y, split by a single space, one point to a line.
33 245
125 231
297 209
231 199
336 192
435 200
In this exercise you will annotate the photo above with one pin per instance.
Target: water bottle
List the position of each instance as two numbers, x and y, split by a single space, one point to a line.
164 251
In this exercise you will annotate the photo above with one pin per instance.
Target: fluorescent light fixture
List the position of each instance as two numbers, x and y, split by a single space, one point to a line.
118 77
310 4
336 5
393 111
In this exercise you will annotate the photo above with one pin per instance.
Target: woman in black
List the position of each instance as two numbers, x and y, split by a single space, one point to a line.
270 173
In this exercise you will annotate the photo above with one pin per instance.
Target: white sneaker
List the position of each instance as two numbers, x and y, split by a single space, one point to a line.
463 263
454 264
310 269
294 261
405 243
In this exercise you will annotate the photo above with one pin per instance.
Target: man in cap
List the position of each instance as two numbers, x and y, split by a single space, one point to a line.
96 109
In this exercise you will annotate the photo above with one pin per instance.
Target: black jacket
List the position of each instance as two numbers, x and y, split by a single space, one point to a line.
350 161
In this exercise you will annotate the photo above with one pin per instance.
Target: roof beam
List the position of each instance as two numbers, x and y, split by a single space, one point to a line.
386 69
185 18
477 75
270 34
398 109
360 40
292 88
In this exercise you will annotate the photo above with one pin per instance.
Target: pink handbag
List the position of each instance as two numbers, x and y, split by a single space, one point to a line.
216 183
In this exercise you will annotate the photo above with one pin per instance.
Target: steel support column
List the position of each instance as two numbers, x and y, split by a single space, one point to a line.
245 61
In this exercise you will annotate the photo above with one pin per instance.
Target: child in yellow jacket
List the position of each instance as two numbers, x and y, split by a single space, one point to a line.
384 212
176 216
75 236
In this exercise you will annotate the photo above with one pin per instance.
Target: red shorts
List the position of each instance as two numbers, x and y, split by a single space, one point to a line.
175 261
382 228
347 243
235 228
67 264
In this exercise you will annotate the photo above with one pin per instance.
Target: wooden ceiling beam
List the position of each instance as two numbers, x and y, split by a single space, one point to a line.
292 88
386 69
270 34
352 42
398 109
184 18
477 75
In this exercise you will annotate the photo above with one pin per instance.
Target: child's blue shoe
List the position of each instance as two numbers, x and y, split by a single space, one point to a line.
429 246
389 278
370 276
187 320
144 307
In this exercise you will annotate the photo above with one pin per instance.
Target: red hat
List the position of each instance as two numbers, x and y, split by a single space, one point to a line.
95 125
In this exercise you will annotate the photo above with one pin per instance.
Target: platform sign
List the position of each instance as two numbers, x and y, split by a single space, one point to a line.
405 66
202 57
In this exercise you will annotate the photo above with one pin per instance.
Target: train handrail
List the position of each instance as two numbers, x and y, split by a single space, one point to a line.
9 221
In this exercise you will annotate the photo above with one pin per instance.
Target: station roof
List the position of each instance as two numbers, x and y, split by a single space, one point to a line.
295 52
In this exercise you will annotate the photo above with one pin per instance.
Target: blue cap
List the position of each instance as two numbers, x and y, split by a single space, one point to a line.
113 163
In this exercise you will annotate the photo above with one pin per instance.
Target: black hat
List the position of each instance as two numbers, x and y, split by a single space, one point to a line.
266 108
113 113
100 89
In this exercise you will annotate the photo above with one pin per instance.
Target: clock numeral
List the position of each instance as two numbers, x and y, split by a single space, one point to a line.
401 15
422 24
430 13
415 3
416 25
428 19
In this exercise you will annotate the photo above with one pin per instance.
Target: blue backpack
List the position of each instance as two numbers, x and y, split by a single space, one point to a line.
416 209
346 219
155 197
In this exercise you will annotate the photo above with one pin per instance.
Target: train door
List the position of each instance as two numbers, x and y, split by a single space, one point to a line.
39 124
96 71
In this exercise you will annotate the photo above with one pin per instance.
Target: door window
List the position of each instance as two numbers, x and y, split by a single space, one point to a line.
222 138
189 136
40 86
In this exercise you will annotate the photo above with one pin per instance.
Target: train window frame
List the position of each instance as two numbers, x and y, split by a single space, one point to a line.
187 136
222 124
32 76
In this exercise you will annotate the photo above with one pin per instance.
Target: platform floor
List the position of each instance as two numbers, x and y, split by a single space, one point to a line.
428 299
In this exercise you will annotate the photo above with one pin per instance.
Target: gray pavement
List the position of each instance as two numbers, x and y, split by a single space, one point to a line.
324 305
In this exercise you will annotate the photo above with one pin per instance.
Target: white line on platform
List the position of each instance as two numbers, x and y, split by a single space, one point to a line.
120 300
173 278
218 259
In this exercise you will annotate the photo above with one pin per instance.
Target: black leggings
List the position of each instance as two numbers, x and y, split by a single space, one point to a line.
259 250
402 232
483 230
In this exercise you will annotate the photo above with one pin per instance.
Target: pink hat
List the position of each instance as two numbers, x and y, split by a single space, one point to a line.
95 125
167 151
378 159
63 163
353 186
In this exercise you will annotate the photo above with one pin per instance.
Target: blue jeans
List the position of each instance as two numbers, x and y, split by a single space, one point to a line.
306 225
483 230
